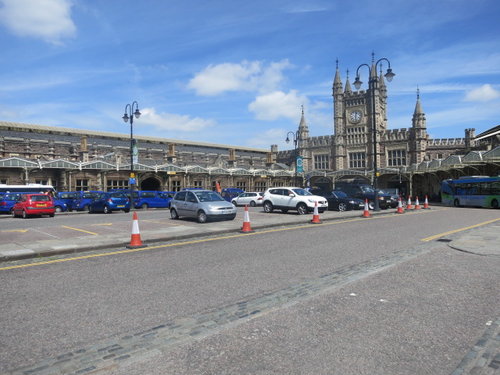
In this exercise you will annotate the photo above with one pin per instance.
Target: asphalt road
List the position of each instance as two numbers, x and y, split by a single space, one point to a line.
347 297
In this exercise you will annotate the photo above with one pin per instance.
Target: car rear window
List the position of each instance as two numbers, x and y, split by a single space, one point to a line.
118 195
40 198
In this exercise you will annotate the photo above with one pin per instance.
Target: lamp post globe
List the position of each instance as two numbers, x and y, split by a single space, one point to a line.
131 111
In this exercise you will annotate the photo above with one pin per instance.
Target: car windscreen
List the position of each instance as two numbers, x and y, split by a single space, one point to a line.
367 189
339 194
208 196
90 195
301 192
10 197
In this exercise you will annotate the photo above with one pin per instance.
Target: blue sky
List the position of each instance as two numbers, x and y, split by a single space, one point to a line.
237 72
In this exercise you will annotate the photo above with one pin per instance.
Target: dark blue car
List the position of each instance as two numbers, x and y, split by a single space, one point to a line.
68 197
109 202
83 200
152 199
8 201
230 193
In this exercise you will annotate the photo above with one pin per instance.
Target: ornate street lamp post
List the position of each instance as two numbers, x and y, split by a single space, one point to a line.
372 88
295 139
129 117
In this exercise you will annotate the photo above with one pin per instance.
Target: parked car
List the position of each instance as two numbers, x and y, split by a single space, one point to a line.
152 199
60 205
230 193
394 194
202 205
365 192
292 198
34 204
339 201
7 201
83 199
251 198
68 197
109 202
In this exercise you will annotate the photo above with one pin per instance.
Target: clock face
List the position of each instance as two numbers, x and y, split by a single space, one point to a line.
355 116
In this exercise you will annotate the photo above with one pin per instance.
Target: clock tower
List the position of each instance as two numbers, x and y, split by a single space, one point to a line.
353 119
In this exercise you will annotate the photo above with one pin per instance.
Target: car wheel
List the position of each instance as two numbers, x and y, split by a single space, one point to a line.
173 214
89 209
253 204
106 210
371 205
342 207
456 203
58 209
202 217
25 216
268 207
13 213
144 206
494 203
301 209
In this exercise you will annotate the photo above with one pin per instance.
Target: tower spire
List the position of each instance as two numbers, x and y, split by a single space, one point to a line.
337 82
347 84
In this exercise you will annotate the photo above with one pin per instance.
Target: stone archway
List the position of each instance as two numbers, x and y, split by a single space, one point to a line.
151 183
322 183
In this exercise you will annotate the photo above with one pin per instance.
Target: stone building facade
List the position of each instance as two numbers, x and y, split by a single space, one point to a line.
74 159
348 154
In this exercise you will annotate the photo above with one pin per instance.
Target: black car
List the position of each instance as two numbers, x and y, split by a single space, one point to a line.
365 192
339 201
394 201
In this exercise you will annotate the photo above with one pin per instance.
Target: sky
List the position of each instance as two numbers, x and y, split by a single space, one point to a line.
237 72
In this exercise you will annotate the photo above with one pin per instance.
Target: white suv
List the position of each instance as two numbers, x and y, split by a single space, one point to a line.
292 198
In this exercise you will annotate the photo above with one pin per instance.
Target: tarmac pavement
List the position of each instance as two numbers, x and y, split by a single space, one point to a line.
483 240
482 359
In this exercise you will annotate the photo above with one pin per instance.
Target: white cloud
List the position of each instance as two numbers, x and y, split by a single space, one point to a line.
484 93
265 138
245 76
49 20
169 121
277 104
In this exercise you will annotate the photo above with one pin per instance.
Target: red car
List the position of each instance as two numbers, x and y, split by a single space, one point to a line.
34 204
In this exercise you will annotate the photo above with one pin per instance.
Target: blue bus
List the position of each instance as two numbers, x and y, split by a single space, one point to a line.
474 191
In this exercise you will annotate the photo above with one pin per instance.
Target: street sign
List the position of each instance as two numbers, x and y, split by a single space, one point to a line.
300 164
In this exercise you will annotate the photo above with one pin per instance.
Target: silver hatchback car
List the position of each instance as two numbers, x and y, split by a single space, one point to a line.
202 205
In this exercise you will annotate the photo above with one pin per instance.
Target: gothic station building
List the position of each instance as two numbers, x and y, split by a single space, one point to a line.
348 156
75 159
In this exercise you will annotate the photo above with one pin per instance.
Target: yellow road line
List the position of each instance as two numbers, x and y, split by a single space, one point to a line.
457 230
201 240
14 230
80 230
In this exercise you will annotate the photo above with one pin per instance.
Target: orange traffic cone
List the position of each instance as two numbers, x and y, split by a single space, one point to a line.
366 212
135 239
246 228
400 209
426 203
417 204
408 205
315 219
